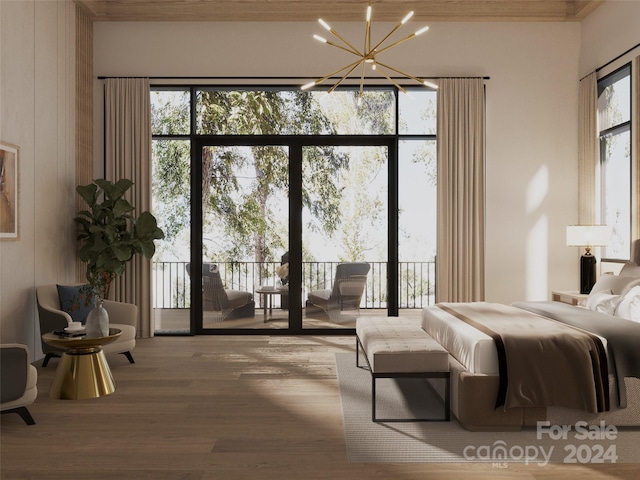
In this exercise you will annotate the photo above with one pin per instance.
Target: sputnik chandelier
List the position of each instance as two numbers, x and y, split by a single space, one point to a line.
368 56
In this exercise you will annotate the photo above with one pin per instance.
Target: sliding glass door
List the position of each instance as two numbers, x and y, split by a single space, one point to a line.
345 242
241 237
282 226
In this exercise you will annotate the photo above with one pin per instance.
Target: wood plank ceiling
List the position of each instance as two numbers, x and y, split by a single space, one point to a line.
339 10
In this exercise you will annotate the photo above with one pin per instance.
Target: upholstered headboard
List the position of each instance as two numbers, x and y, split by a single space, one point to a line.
635 252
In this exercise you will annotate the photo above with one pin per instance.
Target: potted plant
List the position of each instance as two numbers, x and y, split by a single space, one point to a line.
110 235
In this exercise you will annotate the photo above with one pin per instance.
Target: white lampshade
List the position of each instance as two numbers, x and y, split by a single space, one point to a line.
588 235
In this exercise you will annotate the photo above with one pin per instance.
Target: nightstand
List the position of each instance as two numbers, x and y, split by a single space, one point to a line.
570 297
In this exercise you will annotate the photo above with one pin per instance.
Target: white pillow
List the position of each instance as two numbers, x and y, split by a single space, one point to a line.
630 270
629 306
603 302
616 284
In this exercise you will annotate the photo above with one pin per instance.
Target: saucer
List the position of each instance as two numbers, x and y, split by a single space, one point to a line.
75 330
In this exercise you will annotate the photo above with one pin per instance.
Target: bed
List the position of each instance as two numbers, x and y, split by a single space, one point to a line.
598 381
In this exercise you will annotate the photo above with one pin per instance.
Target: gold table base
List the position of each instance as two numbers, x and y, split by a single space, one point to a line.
81 374
83 371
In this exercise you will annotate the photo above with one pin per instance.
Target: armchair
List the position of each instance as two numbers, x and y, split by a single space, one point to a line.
226 303
18 381
121 315
348 287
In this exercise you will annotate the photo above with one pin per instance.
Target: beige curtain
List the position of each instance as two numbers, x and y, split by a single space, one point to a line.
128 155
461 190
588 165
636 133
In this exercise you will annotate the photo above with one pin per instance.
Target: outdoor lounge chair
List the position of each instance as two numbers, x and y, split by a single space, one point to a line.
345 295
227 303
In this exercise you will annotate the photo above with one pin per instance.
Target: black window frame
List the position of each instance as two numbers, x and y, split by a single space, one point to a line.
196 140
623 127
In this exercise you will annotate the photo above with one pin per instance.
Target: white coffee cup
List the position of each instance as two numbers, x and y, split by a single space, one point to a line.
75 326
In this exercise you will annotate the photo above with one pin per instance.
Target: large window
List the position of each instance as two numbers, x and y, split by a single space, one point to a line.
248 179
614 124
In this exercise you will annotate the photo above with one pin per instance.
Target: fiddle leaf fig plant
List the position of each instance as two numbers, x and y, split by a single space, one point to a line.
109 234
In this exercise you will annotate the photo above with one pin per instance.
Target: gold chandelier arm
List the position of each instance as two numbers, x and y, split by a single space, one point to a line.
400 87
395 29
353 49
320 80
419 80
328 27
367 32
364 65
402 40
329 42
345 76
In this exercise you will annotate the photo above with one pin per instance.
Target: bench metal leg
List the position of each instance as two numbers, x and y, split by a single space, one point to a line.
359 347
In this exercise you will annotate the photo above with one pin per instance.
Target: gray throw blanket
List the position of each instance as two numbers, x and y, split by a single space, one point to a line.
541 362
623 336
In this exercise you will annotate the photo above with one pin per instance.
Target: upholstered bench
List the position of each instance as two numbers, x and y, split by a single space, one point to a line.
397 347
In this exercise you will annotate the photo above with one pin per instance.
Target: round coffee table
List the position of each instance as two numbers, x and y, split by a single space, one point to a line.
83 371
267 298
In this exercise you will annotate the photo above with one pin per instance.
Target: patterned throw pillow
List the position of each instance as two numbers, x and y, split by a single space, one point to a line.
629 307
77 301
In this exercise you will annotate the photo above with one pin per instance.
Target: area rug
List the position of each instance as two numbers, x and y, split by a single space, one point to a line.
446 442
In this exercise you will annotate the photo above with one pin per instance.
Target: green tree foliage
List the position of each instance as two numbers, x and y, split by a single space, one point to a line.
243 212
374 109
171 188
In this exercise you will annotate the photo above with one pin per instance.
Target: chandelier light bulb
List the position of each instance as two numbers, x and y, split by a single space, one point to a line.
320 39
406 19
324 24
422 30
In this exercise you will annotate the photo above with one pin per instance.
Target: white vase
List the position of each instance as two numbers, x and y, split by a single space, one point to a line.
97 323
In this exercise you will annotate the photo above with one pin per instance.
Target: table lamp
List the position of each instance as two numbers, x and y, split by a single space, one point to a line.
587 236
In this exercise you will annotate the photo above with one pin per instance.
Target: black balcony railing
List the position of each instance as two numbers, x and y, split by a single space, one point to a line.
172 285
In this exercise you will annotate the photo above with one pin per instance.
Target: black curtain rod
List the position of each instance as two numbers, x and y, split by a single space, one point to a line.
613 60
619 56
101 77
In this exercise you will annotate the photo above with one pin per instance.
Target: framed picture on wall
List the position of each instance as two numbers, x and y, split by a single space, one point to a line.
8 191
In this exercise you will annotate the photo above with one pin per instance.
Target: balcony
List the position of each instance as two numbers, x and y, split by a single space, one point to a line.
172 290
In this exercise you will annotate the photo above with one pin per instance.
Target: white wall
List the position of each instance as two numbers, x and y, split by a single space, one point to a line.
606 34
531 113
609 31
37 114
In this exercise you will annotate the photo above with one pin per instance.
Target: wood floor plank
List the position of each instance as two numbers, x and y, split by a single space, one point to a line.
219 407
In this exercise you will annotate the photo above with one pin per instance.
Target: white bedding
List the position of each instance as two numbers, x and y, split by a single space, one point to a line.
475 350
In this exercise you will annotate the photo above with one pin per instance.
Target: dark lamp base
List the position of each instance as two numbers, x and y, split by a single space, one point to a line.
587 273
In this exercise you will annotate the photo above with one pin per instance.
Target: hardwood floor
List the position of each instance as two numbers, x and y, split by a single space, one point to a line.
219 407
